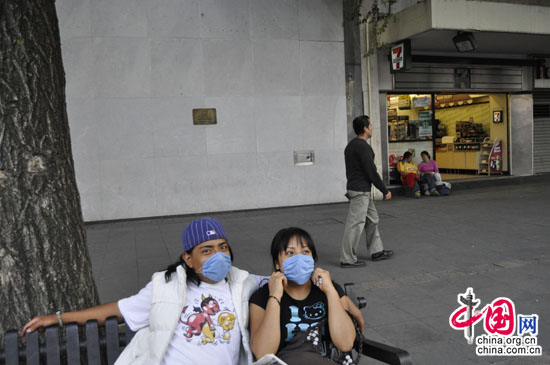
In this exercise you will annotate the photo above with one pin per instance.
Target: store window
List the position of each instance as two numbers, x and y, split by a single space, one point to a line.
467 134
410 128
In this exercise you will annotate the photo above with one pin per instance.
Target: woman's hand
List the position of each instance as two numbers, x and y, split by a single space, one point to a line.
322 279
37 322
276 284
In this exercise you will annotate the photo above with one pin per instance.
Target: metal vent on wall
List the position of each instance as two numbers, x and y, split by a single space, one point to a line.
541 131
541 96
442 78
541 110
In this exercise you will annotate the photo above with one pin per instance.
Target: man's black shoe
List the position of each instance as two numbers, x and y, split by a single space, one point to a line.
353 264
382 255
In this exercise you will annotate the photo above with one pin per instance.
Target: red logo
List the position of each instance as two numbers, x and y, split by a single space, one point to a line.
499 316
396 57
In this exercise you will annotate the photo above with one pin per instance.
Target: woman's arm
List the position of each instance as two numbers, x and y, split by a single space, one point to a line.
99 313
349 306
400 169
342 330
265 333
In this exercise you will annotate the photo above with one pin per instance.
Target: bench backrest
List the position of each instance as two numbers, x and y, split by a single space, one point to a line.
97 345
68 344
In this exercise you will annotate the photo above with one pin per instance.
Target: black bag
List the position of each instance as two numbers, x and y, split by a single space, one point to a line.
311 348
305 348
443 190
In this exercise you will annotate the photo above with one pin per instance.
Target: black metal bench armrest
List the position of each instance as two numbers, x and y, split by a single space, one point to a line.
385 353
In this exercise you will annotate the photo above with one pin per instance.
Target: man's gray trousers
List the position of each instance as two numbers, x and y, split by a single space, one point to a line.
362 214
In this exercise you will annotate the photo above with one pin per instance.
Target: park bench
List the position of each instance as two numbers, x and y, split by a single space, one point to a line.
102 344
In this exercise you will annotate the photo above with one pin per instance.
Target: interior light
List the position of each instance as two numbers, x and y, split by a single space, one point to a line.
464 42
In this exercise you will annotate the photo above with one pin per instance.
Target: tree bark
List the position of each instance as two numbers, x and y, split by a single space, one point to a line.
44 261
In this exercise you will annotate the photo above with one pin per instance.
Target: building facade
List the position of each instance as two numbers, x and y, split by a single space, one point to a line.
272 69
285 79
471 86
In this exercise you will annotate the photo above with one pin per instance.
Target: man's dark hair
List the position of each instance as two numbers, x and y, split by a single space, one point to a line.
360 123
406 155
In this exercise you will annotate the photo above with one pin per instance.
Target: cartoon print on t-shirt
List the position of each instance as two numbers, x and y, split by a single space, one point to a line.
201 322
227 321
309 316
315 311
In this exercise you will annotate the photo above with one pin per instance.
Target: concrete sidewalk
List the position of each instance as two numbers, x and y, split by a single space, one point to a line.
494 238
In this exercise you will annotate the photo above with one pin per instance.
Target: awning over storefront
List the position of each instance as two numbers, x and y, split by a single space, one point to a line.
500 27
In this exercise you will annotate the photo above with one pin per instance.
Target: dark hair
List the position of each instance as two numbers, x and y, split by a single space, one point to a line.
425 153
283 237
360 123
406 155
191 274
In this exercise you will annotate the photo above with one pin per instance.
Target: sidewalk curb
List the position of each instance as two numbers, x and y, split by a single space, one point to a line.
467 184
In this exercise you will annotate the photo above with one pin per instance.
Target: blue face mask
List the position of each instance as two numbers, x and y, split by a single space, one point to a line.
216 267
298 268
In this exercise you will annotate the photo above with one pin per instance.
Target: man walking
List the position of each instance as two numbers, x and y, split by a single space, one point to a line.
361 173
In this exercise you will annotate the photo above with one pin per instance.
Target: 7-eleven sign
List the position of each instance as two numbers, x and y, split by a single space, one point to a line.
398 57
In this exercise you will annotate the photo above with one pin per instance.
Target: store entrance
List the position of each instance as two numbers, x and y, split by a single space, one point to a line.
466 134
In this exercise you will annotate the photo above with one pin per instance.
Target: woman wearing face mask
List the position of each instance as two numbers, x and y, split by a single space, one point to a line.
298 297
176 314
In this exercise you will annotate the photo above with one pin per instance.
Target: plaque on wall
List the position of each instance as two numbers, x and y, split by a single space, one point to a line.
204 116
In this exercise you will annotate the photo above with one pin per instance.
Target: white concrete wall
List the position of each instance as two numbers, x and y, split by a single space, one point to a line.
273 69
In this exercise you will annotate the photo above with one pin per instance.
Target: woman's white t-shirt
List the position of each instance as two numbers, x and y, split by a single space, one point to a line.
208 331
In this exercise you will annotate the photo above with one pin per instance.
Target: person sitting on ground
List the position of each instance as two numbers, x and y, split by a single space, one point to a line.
428 170
298 298
176 315
409 173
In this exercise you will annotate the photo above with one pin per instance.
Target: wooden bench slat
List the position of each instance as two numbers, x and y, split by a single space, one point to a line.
72 343
32 350
92 343
52 346
111 340
12 348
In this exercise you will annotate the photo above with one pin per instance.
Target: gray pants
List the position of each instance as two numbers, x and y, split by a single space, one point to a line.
362 214
428 182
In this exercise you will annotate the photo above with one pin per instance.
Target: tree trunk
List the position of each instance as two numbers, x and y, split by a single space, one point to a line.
44 261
